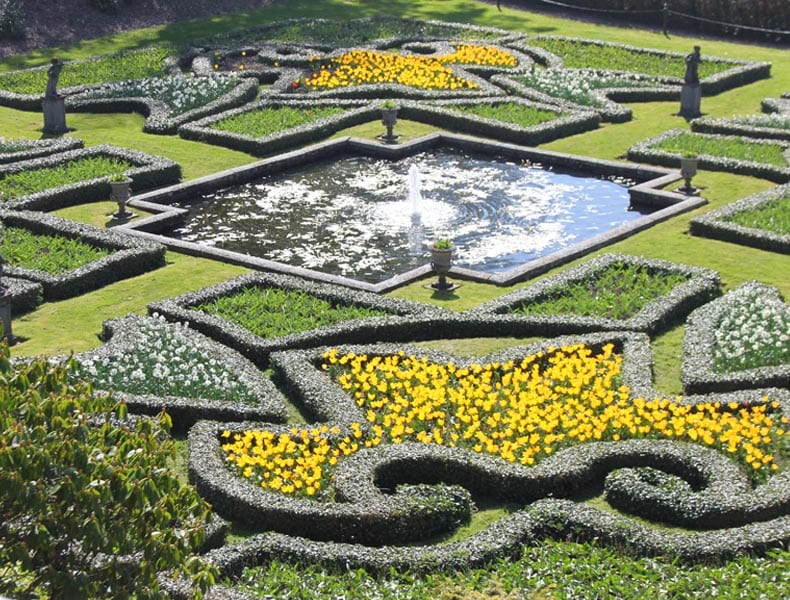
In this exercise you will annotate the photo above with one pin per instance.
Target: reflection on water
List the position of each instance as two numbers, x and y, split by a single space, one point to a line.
355 216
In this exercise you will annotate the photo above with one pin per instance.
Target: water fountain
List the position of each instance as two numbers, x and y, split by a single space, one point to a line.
359 213
368 218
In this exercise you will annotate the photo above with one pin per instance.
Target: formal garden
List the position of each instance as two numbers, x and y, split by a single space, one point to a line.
181 419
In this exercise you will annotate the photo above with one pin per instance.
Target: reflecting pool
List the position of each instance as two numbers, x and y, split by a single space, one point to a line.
359 216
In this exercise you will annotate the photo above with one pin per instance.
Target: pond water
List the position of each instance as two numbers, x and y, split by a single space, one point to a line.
362 217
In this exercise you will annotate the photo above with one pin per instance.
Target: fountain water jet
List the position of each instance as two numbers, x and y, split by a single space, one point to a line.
414 196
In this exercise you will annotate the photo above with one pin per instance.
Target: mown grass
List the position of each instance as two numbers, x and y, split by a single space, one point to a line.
272 312
54 254
550 570
617 292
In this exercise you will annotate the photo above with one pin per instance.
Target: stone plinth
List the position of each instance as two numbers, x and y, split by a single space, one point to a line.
5 314
690 99
54 115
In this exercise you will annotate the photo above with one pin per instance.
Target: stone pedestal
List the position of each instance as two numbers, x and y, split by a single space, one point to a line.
690 99
54 115
5 314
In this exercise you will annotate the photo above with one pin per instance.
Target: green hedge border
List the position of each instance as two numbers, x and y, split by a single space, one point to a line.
362 515
271 406
129 256
717 225
158 117
731 127
39 148
149 171
26 295
646 151
702 286
259 349
697 373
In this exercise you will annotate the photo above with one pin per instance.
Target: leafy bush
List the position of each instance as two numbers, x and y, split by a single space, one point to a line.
88 506
12 20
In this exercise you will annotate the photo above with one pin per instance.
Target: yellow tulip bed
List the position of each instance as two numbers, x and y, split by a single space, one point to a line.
521 412
360 67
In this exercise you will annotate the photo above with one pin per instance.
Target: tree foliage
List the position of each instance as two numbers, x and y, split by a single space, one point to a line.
88 504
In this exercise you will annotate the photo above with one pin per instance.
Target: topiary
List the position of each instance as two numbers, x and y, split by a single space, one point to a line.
88 504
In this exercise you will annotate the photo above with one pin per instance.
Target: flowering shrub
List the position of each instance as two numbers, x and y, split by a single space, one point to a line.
360 67
163 359
754 331
522 412
180 94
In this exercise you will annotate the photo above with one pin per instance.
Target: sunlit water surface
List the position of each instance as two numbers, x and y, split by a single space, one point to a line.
360 217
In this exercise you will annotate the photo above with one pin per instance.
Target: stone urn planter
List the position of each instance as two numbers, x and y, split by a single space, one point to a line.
441 263
389 116
120 191
688 169
5 315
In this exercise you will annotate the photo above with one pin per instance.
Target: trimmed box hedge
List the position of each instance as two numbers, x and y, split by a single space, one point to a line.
716 224
647 151
364 514
698 374
148 171
159 119
258 349
270 405
37 148
702 286
129 256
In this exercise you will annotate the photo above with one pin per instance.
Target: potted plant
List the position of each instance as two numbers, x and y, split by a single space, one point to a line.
688 169
441 262
389 116
120 191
